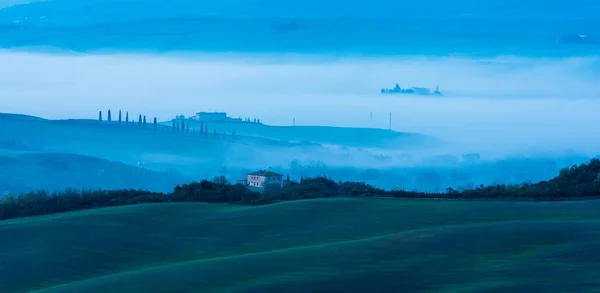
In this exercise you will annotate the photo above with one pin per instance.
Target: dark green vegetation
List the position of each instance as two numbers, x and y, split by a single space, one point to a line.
579 182
325 245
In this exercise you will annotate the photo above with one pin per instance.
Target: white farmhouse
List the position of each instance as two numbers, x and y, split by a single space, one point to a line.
262 179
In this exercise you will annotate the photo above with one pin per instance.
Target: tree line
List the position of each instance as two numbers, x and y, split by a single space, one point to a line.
178 124
577 182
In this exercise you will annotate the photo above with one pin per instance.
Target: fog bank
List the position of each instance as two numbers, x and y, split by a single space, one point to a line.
505 103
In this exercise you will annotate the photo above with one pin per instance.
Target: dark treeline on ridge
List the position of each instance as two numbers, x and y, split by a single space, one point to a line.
577 182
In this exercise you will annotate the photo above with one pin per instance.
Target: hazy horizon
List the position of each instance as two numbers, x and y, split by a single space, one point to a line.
504 102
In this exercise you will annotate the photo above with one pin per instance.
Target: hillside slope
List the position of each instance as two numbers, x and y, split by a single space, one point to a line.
113 141
346 245
56 171
342 136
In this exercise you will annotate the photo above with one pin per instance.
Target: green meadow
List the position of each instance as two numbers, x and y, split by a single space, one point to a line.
325 245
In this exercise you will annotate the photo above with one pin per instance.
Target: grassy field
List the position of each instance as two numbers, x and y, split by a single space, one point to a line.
341 245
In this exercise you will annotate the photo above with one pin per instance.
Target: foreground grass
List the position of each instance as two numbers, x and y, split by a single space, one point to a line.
326 245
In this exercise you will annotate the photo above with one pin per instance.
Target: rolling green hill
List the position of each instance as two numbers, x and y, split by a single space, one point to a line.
334 245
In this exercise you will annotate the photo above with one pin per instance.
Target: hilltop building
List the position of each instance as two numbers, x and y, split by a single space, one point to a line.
214 117
262 179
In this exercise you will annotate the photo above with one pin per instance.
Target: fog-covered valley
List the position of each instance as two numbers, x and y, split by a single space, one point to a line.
519 98
501 120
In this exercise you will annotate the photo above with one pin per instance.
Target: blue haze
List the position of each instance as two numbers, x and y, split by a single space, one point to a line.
525 102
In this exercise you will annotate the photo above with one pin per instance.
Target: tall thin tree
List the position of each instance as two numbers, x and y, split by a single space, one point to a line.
155 124
119 116
100 116
108 116
144 121
140 120
127 117
182 125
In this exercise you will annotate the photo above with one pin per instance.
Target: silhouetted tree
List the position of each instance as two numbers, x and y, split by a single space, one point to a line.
287 178
144 121
100 116
127 117
155 124
108 116
140 120
201 128
119 116
258 121
182 125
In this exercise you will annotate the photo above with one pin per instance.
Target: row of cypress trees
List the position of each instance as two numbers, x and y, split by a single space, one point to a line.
142 122
179 124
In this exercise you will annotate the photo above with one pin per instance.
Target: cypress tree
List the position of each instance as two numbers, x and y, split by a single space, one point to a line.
127 117
108 116
100 116
201 128
119 116
140 120
144 121
155 124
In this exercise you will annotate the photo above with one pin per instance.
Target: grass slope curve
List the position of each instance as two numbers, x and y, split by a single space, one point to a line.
345 245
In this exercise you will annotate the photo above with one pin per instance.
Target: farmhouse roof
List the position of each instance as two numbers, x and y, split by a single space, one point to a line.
265 173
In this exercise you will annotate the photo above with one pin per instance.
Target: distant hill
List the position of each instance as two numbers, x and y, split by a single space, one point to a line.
344 136
94 11
334 26
114 141
57 171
